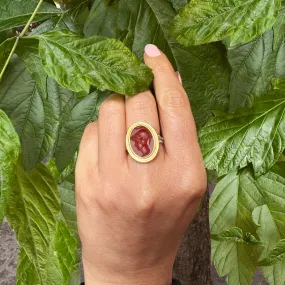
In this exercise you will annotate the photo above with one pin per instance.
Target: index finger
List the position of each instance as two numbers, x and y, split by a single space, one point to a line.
177 122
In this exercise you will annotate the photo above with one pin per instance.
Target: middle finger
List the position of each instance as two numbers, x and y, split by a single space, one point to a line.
142 108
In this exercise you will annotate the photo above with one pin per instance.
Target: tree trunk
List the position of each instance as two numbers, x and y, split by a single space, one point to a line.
192 264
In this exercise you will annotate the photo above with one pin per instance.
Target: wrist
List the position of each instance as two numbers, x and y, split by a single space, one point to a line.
160 275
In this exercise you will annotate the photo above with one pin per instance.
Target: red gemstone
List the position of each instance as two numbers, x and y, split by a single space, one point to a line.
142 141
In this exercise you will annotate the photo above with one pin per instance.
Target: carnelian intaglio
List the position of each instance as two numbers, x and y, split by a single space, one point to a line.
142 142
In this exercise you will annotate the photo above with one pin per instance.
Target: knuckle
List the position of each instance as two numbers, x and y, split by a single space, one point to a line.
110 108
91 128
143 105
162 67
199 190
145 209
146 205
85 197
174 98
192 187
89 136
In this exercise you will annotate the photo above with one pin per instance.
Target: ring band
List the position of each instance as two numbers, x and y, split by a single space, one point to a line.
142 142
160 139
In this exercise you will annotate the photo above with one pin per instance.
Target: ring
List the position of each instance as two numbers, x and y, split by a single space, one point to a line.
142 142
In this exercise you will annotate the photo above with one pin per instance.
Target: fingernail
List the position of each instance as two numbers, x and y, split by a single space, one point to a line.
179 77
152 50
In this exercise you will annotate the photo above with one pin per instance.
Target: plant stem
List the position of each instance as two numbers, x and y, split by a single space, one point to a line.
9 58
20 36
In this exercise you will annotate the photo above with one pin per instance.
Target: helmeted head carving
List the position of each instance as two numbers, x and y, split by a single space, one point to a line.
142 138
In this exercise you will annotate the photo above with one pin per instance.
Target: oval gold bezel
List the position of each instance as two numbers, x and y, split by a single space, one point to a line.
153 154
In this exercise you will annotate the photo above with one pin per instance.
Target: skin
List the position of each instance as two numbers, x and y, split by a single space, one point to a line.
131 216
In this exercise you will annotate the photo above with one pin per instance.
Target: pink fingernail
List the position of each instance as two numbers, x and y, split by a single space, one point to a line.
152 50
179 77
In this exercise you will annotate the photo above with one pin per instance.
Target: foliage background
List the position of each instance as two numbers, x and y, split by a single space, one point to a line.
54 76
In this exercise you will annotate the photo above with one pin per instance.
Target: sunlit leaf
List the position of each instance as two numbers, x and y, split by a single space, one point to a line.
33 208
9 152
61 260
234 253
77 63
204 21
255 63
254 136
270 218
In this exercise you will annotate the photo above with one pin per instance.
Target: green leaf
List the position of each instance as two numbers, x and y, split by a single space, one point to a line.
21 101
278 83
61 260
5 48
237 260
68 207
26 271
69 4
236 196
64 175
271 266
233 201
178 4
72 19
212 177
204 21
204 70
36 119
276 255
235 234
75 278
272 186
205 74
5 35
17 13
51 166
255 136
271 221
72 127
47 26
58 103
102 19
68 173
27 50
32 211
255 63
251 238
77 63
231 206
9 152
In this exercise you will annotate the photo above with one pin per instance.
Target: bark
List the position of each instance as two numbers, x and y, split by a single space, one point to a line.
192 264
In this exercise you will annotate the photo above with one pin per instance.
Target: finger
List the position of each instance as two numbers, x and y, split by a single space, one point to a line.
179 77
112 132
176 119
142 108
88 150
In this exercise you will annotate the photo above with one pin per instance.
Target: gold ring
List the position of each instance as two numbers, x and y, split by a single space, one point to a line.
142 142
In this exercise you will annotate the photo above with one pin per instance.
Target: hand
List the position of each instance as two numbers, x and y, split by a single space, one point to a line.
131 216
